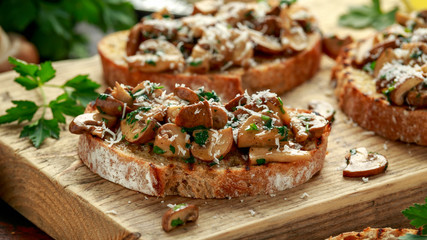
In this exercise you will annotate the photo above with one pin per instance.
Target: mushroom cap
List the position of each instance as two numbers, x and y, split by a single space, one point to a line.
217 143
172 140
138 131
194 115
364 164
253 133
323 108
184 213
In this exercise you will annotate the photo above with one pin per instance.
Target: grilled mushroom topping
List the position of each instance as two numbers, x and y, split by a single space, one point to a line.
173 141
263 155
194 115
107 104
323 108
333 45
206 7
259 131
265 44
92 123
212 144
364 164
179 215
305 125
138 131
186 94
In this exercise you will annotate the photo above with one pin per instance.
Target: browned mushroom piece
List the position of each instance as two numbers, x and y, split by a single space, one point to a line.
295 39
305 125
138 131
206 7
239 100
199 62
265 44
196 24
378 48
332 45
360 163
194 115
172 112
155 55
386 56
243 48
219 117
121 94
402 18
323 108
259 131
262 155
107 104
275 104
179 215
212 144
417 98
134 39
362 51
234 12
419 20
186 94
269 25
172 141
401 88
91 123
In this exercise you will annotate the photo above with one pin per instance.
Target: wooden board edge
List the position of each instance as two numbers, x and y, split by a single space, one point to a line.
59 212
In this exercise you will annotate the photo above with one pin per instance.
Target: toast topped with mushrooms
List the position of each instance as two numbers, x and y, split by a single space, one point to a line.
382 84
221 47
187 143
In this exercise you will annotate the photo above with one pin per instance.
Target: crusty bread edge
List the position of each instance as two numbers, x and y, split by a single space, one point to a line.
277 75
376 114
376 233
177 178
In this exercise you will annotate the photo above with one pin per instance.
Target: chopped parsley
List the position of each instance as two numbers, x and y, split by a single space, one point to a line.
287 2
268 122
158 150
150 62
353 151
416 54
201 137
191 130
252 127
188 145
176 222
208 95
388 91
212 164
120 108
283 131
130 118
103 96
179 206
307 128
136 136
189 160
369 67
172 148
260 161
281 105
195 63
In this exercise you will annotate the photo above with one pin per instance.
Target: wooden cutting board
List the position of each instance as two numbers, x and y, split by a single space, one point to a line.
52 188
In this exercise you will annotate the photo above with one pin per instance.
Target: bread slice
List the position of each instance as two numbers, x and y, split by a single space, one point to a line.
358 98
140 170
376 234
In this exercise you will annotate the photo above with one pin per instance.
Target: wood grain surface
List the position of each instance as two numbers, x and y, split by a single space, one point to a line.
52 188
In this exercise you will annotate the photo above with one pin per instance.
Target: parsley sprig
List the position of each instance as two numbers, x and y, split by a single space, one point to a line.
78 92
368 16
418 216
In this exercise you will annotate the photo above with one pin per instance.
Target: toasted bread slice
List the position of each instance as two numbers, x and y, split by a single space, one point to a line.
376 234
279 74
359 94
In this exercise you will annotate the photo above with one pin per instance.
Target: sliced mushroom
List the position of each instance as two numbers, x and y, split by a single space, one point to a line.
212 144
262 155
196 25
187 94
107 104
243 48
138 131
172 112
121 94
397 96
265 44
179 215
91 123
333 45
219 117
206 7
269 25
199 62
417 98
386 57
364 164
305 125
134 39
172 141
155 55
275 104
239 100
362 51
323 108
194 115
255 131
295 39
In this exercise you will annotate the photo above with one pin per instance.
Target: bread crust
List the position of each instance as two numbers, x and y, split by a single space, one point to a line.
357 98
275 74
158 176
376 233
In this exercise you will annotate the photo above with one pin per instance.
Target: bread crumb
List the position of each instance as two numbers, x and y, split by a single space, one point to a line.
272 195
252 212
285 199
114 212
304 195
365 179
385 146
241 200
370 133
129 202
215 216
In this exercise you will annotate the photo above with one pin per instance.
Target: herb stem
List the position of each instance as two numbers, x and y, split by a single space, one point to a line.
43 94
54 86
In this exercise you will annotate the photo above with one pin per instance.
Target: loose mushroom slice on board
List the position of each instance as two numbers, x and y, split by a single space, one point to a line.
179 215
194 115
138 131
155 55
364 164
91 123
257 131
172 141
305 125
397 96
212 144
262 155
323 108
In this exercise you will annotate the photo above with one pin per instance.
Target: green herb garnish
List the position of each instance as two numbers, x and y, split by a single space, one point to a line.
281 105
179 206
370 67
176 222
252 127
158 150
416 54
260 161
78 92
287 2
353 151
189 160
191 130
208 95
150 62
201 137
283 131
195 63
187 145
388 91
368 16
103 96
172 148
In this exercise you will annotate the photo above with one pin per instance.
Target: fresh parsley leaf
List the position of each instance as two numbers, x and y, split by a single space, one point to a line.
172 148
158 150
83 89
46 72
23 68
260 161
195 63
189 160
287 2
191 130
179 206
26 82
201 137
353 151
367 16
252 127
65 105
418 215
24 110
40 130
412 237
176 222
283 131
208 95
